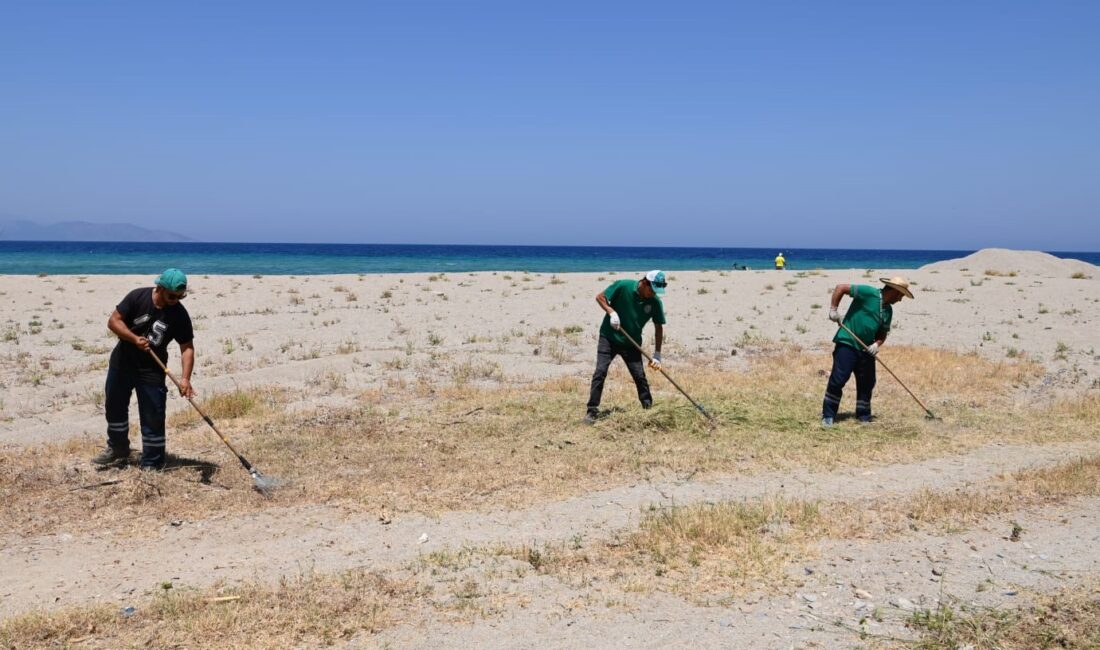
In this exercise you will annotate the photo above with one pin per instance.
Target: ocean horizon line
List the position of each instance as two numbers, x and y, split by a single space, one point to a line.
240 258
965 251
468 245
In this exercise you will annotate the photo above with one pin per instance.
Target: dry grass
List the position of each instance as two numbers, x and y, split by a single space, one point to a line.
305 611
462 445
955 510
82 496
721 550
310 610
234 404
1067 619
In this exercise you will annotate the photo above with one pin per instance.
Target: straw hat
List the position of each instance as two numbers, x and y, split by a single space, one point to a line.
899 283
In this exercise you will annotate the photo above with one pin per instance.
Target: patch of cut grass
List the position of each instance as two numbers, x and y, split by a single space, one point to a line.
438 446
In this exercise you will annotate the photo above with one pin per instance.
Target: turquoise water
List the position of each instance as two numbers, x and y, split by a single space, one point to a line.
86 258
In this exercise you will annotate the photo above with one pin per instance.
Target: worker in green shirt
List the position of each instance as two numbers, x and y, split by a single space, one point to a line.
628 305
869 318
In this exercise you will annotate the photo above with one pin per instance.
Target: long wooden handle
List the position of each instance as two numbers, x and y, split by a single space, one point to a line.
662 371
247 465
865 347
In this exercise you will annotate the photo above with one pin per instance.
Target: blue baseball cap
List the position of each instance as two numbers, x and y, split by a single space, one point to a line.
173 280
657 281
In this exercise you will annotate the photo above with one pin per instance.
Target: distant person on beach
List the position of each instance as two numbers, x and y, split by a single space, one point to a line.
628 305
147 319
780 262
869 318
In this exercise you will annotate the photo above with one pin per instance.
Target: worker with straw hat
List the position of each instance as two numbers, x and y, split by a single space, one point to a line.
628 305
868 318
147 319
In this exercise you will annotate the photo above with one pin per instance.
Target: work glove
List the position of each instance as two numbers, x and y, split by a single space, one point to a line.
615 324
834 315
655 361
872 349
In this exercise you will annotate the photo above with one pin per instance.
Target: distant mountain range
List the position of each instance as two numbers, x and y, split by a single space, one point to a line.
23 230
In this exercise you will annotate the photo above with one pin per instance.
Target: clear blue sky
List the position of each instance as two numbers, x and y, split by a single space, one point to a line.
873 124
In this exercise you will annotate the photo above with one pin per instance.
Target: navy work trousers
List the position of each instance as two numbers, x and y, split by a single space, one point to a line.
847 360
152 401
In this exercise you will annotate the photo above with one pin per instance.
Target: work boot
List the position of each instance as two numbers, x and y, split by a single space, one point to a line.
110 456
590 418
826 422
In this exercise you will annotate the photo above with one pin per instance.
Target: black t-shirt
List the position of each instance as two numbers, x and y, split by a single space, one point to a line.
160 326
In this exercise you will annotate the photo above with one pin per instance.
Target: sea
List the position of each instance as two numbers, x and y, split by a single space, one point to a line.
114 258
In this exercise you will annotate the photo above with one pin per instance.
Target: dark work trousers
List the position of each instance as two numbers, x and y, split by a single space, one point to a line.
847 359
606 352
152 400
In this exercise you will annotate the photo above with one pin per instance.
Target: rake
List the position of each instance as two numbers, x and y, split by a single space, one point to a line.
263 484
673 381
927 413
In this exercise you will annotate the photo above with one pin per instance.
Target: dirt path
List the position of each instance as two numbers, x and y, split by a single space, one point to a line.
58 570
980 567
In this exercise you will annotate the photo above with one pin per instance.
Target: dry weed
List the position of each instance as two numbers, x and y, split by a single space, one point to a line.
958 509
718 550
1069 618
459 445
233 404
305 610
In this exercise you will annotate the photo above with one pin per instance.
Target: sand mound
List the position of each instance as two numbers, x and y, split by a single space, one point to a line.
1005 261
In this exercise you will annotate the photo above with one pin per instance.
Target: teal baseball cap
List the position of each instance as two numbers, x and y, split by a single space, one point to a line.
173 280
657 281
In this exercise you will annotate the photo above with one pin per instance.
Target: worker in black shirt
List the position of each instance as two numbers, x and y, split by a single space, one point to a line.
147 319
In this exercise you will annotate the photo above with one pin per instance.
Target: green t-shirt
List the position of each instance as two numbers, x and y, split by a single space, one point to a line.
634 312
868 316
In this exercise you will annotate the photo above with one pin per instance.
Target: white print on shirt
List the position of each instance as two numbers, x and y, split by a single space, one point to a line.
156 335
141 319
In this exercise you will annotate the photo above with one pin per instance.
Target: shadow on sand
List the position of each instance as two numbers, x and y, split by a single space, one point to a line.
173 463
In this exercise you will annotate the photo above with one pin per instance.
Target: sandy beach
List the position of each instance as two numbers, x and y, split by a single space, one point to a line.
370 330
398 425
445 344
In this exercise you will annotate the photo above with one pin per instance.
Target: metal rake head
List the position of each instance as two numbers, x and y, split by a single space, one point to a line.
265 485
